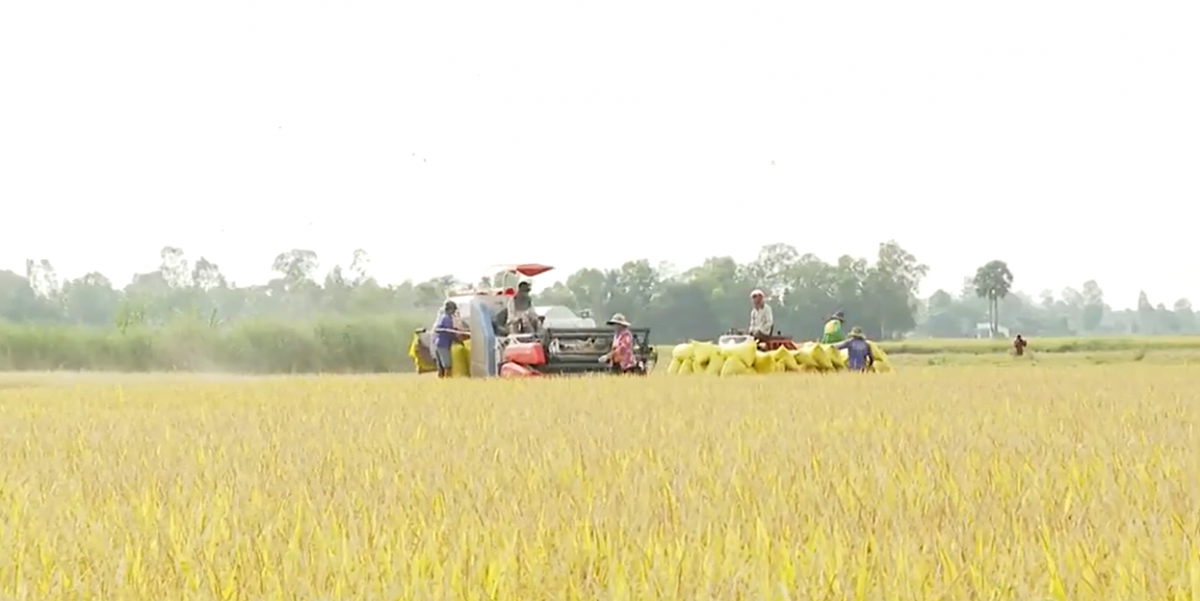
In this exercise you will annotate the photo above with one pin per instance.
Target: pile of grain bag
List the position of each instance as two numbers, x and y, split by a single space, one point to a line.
695 357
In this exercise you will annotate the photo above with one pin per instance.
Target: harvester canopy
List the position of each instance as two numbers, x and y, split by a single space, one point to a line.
528 270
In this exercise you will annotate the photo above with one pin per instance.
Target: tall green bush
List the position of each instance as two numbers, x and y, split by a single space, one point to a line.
326 345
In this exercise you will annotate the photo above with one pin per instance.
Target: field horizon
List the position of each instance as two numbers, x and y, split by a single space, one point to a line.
381 346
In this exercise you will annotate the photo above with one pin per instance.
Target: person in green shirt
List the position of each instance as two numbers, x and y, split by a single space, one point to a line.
833 329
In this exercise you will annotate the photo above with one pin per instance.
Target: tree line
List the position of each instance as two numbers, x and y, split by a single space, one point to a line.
307 318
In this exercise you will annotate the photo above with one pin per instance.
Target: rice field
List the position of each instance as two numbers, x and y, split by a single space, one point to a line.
956 483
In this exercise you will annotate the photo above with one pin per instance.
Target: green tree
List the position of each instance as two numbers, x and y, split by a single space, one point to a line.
943 316
890 290
1185 315
1093 306
90 300
1147 316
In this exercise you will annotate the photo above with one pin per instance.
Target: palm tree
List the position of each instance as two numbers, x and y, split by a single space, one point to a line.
993 281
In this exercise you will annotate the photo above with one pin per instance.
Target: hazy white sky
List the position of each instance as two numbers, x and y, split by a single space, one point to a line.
1063 137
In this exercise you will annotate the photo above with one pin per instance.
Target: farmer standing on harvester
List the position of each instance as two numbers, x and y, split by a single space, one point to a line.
833 329
762 322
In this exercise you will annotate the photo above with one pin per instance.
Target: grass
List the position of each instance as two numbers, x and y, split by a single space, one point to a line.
948 482
1046 345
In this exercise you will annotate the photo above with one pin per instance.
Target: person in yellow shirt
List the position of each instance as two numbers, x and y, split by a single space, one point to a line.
833 329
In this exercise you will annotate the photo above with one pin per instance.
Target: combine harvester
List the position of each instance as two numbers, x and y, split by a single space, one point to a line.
738 354
565 343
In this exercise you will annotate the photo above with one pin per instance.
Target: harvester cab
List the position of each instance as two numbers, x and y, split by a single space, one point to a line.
504 280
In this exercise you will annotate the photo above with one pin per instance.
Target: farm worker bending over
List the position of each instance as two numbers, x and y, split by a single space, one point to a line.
762 322
621 355
858 352
445 334
522 319
833 329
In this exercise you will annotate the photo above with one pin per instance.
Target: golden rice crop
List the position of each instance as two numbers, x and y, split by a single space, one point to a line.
981 483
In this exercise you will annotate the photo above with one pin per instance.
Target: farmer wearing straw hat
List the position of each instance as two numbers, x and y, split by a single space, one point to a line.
833 329
621 356
762 322
858 351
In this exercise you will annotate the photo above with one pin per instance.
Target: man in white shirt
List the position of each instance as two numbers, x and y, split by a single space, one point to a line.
762 322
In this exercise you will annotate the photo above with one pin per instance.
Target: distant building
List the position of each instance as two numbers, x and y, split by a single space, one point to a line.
984 330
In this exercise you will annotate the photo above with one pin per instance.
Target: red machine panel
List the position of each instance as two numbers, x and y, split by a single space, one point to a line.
513 370
525 353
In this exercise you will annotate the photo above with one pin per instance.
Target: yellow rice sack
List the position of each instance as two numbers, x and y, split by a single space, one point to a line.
785 358
764 363
422 358
683 351
882 364
460 360
703 352
746 352
817 353
715 363
803 360
733 366
835 356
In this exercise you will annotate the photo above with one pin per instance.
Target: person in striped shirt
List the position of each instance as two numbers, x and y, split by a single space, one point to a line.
621 356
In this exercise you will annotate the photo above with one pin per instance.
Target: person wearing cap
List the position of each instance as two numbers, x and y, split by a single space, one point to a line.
858 351
621 356
445 334
833 329
522 319
762 322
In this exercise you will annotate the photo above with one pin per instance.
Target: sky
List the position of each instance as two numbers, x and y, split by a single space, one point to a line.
444 137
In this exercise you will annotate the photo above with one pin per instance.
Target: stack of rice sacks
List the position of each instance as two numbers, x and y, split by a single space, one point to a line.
707 358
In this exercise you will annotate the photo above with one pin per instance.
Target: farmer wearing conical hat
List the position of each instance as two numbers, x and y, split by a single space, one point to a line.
621 356
833 329
858 351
